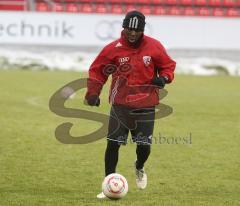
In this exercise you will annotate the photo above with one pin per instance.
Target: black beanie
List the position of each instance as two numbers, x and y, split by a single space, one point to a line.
134 20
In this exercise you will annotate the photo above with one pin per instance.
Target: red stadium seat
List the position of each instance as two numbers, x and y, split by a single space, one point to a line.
159 10
233 12
218 12
42 6
201 2
215 2
114 1
146 9
189 11
204 12
143 2
171 2
18 1
101 8
131 7
158 1
229 2
117 9
186 2
175 11
58 7
127 1
100 1
72 8
86 8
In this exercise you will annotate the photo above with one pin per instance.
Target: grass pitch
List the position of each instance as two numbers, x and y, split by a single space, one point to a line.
36 169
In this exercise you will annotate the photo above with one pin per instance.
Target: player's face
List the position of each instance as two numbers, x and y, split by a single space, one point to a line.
132 36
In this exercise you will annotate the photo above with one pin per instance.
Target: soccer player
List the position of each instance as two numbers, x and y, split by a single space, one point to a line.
139 66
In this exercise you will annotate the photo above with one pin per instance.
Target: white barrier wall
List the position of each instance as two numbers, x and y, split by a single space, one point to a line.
97 30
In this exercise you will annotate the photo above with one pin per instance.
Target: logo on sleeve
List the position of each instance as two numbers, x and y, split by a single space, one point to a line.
118 44
146 60
123 60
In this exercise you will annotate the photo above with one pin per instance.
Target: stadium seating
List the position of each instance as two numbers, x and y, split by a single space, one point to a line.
204 11
43 6
189 11
159 10
117 8
72 8
218 12
58 7
232 12
215 2
186 2
130 7
158 2
175 11
86 8
226 8
229 2
200 2
101 8
146 9
13 5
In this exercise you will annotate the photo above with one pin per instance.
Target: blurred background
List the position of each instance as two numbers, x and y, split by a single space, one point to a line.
201 35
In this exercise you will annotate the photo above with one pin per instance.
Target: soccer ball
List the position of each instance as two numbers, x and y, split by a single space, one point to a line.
115 186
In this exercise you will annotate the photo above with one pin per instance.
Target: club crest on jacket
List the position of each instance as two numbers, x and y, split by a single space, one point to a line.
146 60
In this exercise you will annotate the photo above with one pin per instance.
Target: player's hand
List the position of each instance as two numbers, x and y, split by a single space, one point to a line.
93 100
159 81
